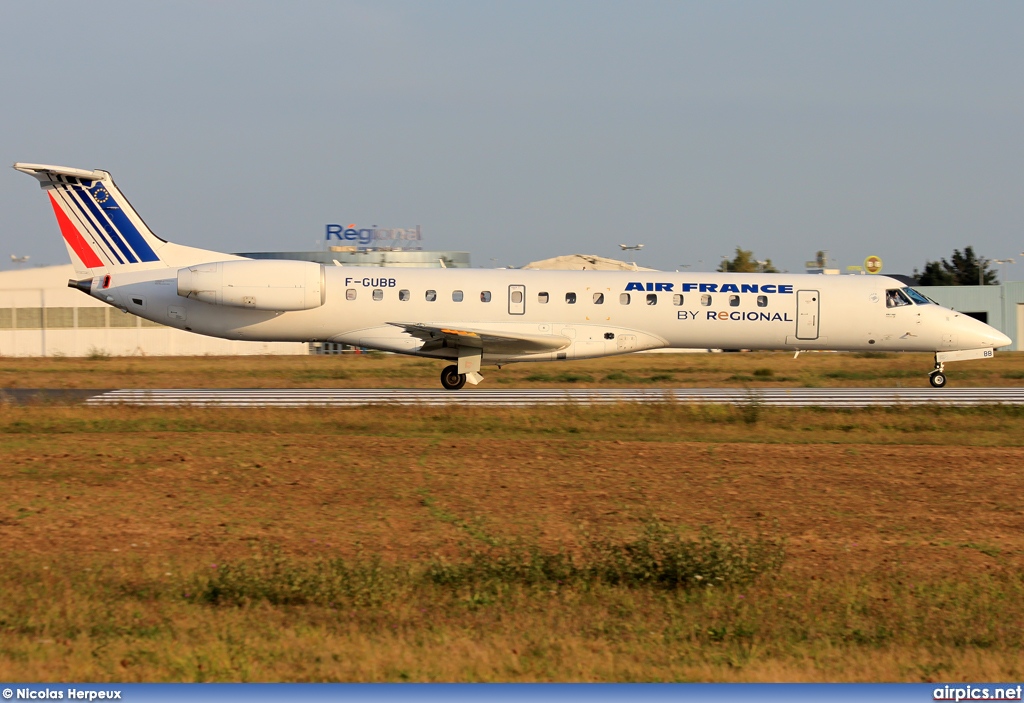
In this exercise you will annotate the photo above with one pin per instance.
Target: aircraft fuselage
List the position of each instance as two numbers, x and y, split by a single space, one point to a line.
599 312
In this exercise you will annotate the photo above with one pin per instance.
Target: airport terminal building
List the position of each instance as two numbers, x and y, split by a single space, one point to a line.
351 256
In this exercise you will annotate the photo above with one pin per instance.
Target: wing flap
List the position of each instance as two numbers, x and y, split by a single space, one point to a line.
490 341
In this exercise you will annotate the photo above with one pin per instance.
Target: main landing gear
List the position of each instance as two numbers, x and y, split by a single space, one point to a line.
451 379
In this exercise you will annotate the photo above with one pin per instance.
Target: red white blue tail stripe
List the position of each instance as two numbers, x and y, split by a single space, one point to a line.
103 232
103 220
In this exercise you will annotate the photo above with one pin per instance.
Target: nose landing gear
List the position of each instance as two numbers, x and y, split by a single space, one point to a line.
938 377
451 379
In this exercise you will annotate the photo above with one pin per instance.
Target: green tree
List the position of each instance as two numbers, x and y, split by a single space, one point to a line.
964 269
744 262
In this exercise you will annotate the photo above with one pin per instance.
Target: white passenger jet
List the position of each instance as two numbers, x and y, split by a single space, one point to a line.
476 317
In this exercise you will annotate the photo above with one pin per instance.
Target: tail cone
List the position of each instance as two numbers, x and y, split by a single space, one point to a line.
85 285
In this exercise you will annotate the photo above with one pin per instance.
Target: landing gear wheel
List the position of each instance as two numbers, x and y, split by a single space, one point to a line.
937 379
451 379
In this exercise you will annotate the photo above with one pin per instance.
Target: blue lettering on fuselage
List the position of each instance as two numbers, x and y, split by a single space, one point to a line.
710 287
650 287
738 316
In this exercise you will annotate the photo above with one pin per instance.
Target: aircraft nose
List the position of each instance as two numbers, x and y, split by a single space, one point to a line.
984 335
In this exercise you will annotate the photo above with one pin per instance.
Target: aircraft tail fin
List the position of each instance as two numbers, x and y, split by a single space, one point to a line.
103 232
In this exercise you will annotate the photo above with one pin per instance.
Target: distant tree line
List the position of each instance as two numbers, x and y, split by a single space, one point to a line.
963 269
744 262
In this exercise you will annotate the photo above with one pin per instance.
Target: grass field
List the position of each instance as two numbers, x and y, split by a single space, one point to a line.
390 371
618 543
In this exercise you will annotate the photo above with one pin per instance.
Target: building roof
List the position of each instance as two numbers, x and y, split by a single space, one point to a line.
589 262
37 277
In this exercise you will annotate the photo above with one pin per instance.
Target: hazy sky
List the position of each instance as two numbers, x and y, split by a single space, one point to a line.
523 130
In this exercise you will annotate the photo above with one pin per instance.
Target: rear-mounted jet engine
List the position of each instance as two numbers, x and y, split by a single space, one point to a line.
257 285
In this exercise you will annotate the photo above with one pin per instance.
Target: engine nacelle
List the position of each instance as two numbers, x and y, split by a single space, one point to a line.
255 284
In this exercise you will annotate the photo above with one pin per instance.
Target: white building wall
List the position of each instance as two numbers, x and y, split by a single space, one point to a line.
41 316
1020 326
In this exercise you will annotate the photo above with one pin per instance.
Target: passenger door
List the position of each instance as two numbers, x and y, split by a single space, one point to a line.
808 307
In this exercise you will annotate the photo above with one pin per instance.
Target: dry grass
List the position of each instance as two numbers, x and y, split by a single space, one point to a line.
902 529
389 371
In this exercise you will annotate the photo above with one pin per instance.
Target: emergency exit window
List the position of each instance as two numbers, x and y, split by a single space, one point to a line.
598 298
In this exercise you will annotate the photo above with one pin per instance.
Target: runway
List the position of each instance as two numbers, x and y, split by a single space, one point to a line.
348 397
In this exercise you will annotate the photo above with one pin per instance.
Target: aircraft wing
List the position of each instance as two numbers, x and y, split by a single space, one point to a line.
490 341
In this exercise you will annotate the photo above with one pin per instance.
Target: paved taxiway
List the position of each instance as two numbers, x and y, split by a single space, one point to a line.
297 397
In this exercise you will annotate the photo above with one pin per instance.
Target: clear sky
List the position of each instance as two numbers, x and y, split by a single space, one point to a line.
522 130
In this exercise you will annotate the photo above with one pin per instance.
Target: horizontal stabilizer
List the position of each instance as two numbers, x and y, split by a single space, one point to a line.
38 170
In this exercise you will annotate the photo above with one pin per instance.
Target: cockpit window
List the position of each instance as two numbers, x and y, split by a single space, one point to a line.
895 298
916 297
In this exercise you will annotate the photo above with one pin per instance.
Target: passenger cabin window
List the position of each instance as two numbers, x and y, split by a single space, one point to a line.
598 298
734 301
623 298
677 299
705 300
350 294
762 301
517 297
652 298
485 296
431 296
403 294
916 297
456 296
378 294
895 298
570 298
542 297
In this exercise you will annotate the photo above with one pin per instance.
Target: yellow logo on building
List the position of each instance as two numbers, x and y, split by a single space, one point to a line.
872 264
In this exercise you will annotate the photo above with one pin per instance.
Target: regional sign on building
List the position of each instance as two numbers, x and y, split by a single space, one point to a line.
374 236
